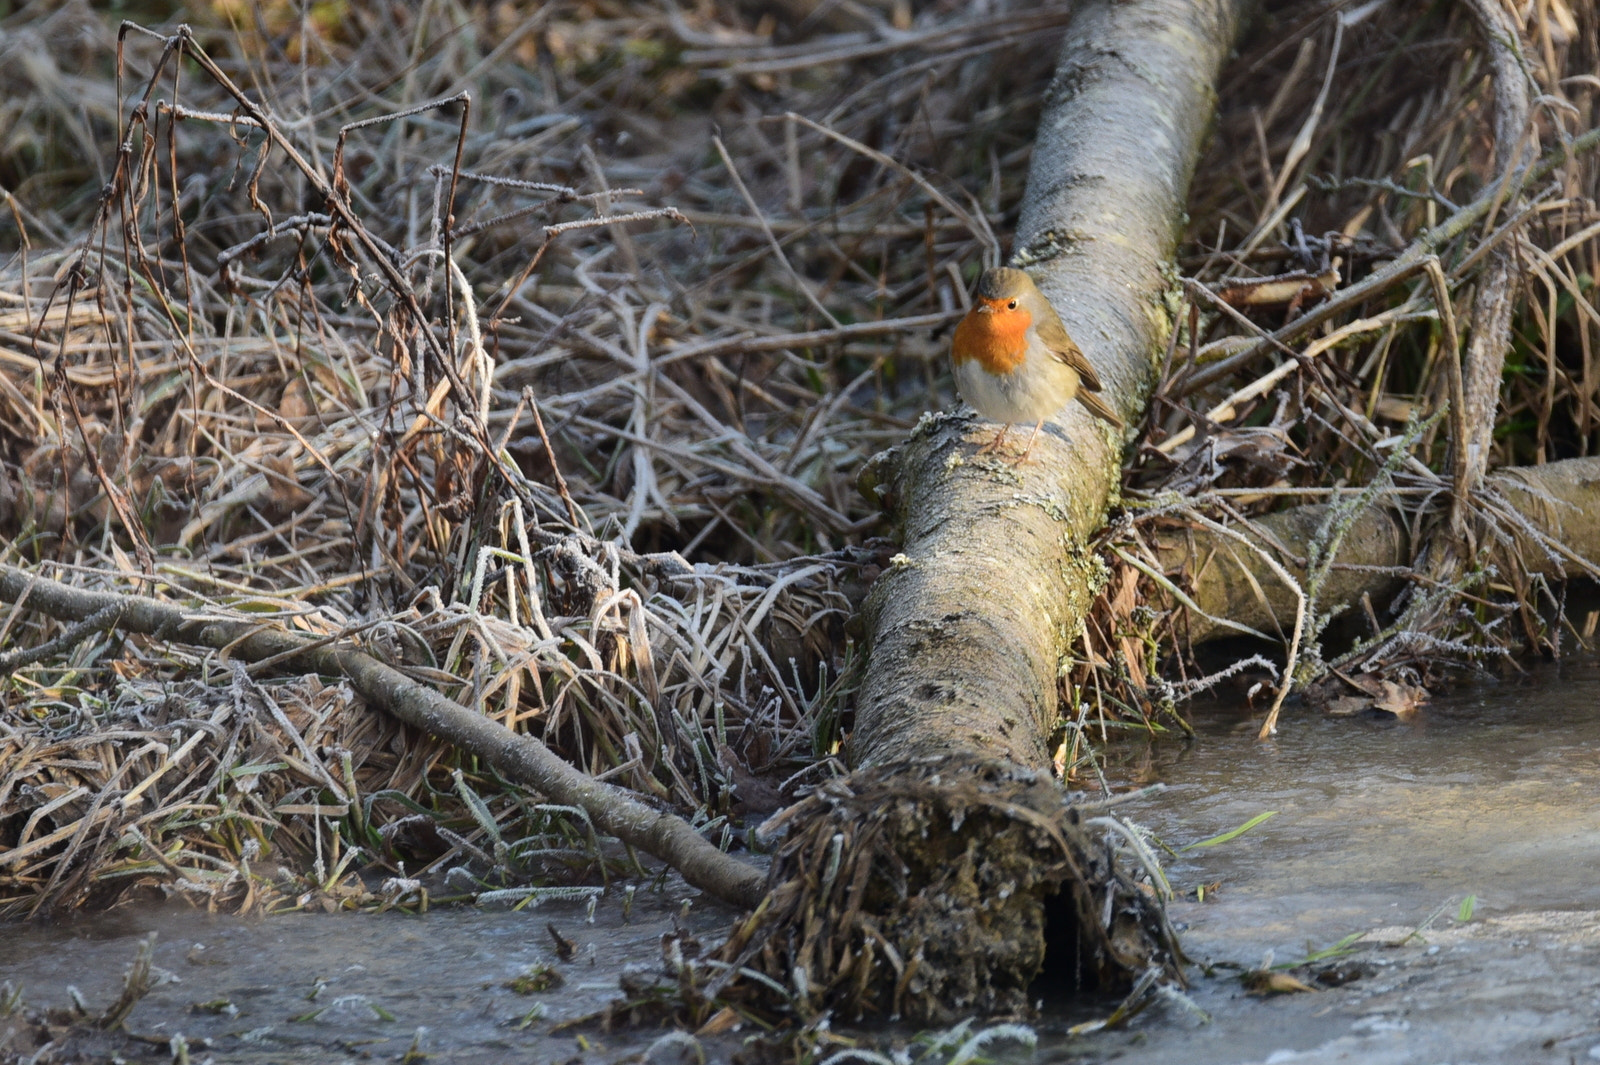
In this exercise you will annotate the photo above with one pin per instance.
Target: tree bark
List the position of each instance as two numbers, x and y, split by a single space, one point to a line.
968 630
917 885
1561 500
1495 300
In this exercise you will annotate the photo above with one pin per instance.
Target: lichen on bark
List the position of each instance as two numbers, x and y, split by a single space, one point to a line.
967 635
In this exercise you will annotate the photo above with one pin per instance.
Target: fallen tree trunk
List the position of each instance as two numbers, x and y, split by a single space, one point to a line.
517 757
968 633
917 885
1560 501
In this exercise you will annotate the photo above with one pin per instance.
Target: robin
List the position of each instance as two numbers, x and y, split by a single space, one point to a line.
1014 361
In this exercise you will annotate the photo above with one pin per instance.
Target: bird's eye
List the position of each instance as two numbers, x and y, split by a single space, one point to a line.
1012 305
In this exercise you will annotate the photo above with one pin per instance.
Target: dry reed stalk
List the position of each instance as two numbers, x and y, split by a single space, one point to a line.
1230 441
598 483
230 378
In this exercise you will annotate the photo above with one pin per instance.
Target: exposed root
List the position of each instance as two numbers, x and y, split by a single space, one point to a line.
919 892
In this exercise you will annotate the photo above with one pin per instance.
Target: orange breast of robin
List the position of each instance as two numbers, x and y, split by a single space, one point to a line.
998 342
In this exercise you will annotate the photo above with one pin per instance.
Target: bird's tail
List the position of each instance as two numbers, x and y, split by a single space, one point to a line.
1097 406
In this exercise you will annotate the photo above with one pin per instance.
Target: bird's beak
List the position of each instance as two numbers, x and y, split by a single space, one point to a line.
983 308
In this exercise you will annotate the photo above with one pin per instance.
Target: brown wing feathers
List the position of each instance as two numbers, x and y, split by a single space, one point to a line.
1098 407
1054 334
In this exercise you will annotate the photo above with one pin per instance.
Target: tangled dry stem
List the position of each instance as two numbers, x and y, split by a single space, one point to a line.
598 484
894 895
1282 388
511 424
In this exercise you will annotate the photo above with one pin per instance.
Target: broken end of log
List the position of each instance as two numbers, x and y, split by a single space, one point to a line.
922 891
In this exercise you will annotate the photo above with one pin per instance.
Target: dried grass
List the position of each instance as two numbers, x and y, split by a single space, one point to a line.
1347 133
594 477
584 456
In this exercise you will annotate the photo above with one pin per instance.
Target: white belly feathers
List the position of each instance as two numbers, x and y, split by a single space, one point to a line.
1040 387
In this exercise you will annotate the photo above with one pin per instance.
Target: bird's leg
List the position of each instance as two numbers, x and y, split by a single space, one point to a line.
994 445
1020 459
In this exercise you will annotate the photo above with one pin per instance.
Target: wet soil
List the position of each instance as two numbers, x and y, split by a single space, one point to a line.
1381 829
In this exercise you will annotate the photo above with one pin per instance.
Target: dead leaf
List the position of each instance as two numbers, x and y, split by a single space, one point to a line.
1346 705
284 494
1400 409
297 402
753 795
1267 982
1401 700
721 1021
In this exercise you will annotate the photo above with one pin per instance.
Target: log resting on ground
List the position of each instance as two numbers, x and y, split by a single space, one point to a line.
951 830
1561 500
519 758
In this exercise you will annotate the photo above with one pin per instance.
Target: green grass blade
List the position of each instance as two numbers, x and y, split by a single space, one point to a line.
1231 834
